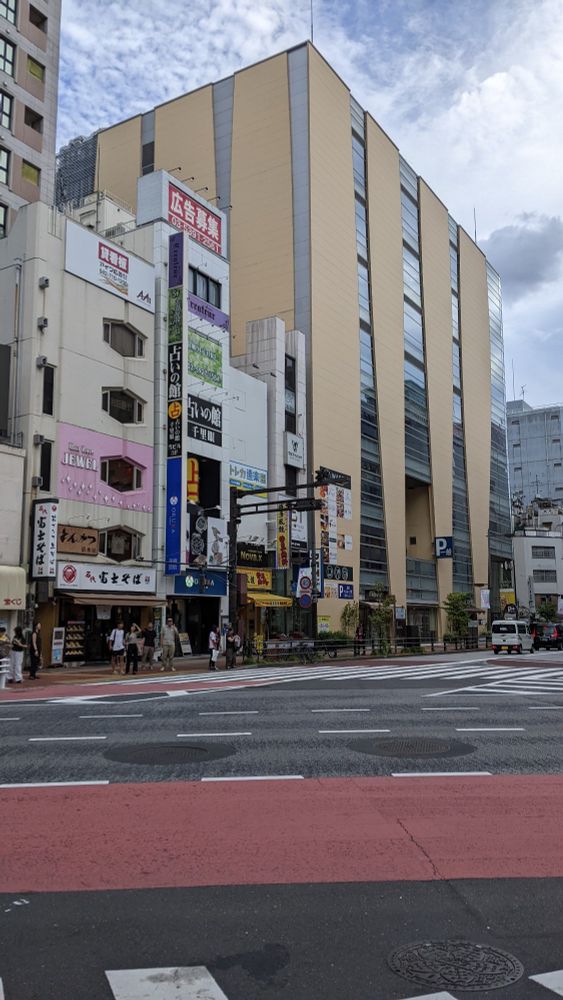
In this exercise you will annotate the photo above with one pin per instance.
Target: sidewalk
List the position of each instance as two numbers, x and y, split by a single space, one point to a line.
86 673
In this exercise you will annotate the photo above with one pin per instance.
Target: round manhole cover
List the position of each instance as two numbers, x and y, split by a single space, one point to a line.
168 753
414 747
459 965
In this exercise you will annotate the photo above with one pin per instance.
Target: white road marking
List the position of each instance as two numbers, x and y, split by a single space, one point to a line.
433 996
354 731
194 983
492 729
10 719
341 709
551 980
451 708
441 774
202 735
62 739
52 784
261 777
1 991
249 712
107 716
545 708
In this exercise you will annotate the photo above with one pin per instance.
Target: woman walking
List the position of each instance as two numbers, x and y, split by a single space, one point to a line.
116 644
133 638
16 656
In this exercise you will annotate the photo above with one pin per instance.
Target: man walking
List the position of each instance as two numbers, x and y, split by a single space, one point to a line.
168 638
149 637
35 647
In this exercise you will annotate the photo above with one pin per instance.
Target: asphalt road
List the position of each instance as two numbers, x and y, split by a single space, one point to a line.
301 885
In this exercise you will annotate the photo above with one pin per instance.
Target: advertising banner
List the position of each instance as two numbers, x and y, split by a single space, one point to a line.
507 596
205 420
246 477
485 599
251 555
282 540
199 307
257 579
108 266
217 542
173 537
96 576
186 213
205 358
345 574
197 539
43 565
78 541
176 442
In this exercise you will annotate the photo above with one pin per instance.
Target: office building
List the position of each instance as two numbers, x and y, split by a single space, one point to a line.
538 555
535 455
332 231
29 75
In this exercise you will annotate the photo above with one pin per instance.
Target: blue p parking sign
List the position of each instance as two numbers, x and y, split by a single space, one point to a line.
444 547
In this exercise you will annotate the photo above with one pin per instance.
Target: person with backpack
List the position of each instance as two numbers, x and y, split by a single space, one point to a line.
116 643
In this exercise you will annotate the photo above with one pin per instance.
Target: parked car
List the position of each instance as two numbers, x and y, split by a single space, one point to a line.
547 635
511 636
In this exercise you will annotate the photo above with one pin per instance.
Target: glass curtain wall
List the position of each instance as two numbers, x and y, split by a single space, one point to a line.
462 563
373 552
500 543
417 442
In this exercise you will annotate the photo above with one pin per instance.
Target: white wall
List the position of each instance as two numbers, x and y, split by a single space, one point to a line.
11 478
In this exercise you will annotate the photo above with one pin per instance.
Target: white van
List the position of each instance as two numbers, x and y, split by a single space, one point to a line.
511 636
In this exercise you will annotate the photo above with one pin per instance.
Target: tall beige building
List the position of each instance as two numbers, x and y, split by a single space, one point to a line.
332 231
29 74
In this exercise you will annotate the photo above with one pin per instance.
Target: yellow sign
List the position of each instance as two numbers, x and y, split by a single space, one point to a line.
282 541
258 579
193 480
174 410
506 597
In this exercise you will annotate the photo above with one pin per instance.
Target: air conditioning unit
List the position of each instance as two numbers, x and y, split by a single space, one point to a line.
37 481
41 361
42 322
43 282
38 439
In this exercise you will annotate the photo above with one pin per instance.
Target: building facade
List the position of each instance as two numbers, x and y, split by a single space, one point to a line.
538 555
29 75
535 453
333 232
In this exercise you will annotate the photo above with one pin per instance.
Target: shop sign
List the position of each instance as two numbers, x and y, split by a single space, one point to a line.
340 573
82 456
187 214
485 603
176 445
96 576
282 540
323 624
444 547
346 591
246 477
205 420
251 555
257 579
294 451
507 596
109 266
338 478
331 589
205 358
44 539
318 567
199 307
299 536
78 541
201 583
217 542
193 479
174 435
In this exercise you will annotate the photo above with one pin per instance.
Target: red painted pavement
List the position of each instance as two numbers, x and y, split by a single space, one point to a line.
330 830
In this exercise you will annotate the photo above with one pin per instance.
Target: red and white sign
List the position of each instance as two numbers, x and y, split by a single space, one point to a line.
109 266
187 214
97 576
44 545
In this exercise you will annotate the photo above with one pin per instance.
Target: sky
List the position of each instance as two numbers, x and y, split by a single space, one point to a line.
470 90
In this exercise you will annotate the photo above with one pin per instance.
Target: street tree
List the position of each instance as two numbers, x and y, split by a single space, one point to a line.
456 607
350 617
381 618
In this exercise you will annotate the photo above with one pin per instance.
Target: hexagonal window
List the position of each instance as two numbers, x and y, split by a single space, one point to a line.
121 474
120 544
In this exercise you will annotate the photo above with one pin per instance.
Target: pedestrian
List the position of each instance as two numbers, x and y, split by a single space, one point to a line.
230 649
132 642
5 645
16 656
149 640
168 638
116 643
35 647
213 646
359 641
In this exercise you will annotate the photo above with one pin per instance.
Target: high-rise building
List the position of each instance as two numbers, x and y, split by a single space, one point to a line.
535 455
29 78
333 232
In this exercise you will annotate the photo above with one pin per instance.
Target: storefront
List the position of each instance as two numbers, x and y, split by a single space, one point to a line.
196 604
12 595
262 614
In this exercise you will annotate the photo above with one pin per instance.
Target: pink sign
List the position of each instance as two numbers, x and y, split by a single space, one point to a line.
105 470
187 214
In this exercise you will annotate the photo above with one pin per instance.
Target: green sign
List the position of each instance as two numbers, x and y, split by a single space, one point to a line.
205 358
175 315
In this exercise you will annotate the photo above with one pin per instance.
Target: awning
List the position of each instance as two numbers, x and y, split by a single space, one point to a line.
135 601
12 588
264 600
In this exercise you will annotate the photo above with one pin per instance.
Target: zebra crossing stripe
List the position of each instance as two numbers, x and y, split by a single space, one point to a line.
551 980
175 983
433 996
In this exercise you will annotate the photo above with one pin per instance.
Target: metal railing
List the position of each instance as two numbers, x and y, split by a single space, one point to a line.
315 650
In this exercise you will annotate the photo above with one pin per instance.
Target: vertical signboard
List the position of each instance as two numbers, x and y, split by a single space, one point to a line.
282 540
44 539
176 419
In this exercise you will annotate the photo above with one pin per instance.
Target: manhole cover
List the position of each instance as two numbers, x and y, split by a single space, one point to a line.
168 753
412 747
459 965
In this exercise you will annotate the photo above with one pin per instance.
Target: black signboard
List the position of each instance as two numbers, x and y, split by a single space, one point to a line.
205 420
344 574
251 555
325 475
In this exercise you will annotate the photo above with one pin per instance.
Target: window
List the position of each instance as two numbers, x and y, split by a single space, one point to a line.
120 544
124 339
8 10
35 69
290 395
412 540
290 481
122 406
545 576
204 287
521 628
48 386
147 158
37 18
34 120
30 173
121 474
3 221
45 465
7 56
4 166
543 552
6 105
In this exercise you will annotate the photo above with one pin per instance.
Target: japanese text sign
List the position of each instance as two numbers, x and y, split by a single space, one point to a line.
187 214
205 420
44 544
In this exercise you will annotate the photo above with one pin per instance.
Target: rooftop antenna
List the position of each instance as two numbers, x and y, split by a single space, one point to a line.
475 223
312 23
522 388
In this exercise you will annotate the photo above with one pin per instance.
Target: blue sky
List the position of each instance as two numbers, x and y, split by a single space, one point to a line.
470 90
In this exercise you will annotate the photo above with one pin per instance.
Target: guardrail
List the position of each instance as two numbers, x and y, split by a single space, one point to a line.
313 650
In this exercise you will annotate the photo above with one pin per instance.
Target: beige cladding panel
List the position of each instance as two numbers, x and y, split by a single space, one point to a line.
386 274
476 374
261 196
437 296
183 137
119 160
335 359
